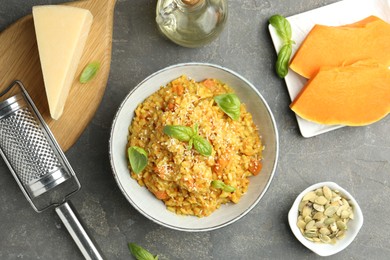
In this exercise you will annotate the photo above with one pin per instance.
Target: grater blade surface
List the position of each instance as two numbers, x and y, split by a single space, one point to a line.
26 147
38 164
31 152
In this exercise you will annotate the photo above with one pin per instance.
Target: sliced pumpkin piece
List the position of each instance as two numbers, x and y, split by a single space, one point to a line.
338 45
354 95
362 23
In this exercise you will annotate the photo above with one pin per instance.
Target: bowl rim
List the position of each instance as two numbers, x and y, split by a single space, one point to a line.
248 209
317 247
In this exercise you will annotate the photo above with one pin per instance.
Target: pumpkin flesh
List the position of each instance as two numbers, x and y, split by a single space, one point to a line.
342 45
353 95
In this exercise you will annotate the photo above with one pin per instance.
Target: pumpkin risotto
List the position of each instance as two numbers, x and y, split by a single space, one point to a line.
187 181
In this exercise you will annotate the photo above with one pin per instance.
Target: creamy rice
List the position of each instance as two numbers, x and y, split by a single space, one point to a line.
182 177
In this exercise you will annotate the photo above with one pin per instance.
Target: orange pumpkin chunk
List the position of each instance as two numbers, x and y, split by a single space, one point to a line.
354 95
343 45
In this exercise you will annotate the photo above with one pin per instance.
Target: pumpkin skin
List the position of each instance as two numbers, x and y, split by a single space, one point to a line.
353 95
343 45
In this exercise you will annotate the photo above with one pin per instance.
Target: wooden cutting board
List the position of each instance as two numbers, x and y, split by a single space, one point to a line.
19 60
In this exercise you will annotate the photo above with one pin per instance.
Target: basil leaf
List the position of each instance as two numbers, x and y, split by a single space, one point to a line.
217 184
190 135
230 104
190 143
181 133
283 60
196 129
138 158
140 253
221 185
202 145
282 27
89 72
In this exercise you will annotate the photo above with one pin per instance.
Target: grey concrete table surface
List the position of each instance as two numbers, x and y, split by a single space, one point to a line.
355 158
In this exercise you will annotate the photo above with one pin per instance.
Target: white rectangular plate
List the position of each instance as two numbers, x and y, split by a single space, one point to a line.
340 13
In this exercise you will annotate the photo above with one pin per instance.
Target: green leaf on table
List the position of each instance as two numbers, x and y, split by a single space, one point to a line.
89 72
141 253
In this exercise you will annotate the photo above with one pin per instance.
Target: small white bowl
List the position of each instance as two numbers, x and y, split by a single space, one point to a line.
353 225
152 208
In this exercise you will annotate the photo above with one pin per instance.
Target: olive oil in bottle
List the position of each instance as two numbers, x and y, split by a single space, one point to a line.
191 23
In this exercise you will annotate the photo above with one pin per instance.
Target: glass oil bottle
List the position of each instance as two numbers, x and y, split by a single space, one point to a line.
191 23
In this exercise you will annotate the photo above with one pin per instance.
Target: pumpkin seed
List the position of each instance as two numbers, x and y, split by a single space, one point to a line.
301 224
345 202
325 239
324 231
306 211
311 232
318 207
327 192
310 196
318 216
307 219
321 200
320 225
330 211
324 215
341 225
335 198
340 209
301 205
329 221
319 192
310 225
341 234
345 214
333 227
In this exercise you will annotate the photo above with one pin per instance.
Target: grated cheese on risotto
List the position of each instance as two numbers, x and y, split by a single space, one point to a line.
179 175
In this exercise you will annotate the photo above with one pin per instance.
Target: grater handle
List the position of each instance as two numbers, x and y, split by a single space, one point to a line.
79 234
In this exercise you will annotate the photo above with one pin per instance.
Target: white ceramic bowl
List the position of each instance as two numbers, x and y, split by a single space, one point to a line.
353 225
142 199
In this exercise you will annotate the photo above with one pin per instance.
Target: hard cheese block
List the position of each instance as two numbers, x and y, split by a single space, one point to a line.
61 33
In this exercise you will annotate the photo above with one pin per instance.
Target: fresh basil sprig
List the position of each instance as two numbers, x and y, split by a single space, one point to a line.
202 145
89 72
230 104
179 132
141 253
283 60
190 135
283 29
138 158
221 185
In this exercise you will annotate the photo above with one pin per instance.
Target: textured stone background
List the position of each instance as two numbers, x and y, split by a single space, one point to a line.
355 158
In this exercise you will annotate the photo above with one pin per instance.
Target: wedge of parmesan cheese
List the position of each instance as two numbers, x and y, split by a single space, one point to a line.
61 32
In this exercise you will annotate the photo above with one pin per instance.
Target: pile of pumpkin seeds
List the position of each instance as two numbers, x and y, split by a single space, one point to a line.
324 215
